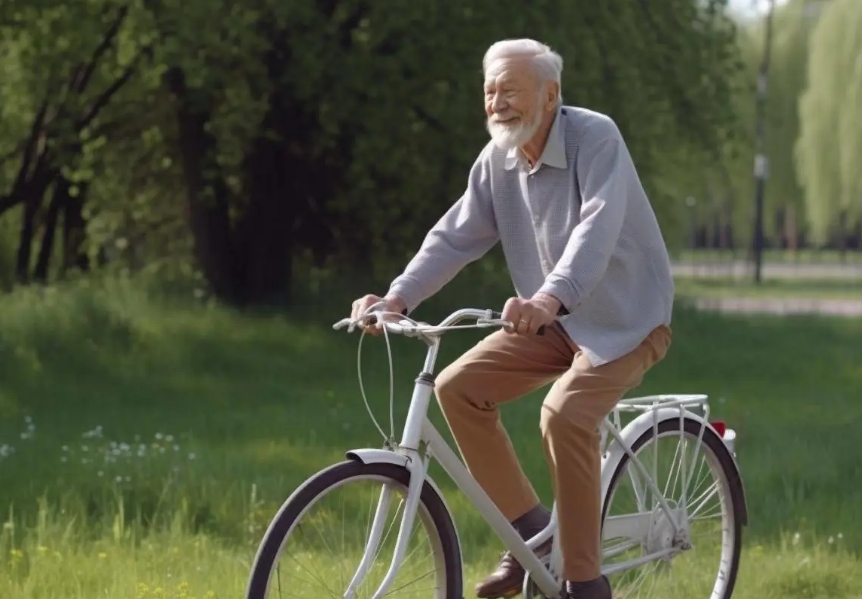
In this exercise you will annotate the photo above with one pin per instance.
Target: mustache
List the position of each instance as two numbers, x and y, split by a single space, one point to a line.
503 120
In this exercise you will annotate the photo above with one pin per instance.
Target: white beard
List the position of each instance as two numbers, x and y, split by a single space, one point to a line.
508 136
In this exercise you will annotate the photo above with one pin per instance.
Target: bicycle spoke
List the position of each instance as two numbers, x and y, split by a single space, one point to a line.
688 475
327 545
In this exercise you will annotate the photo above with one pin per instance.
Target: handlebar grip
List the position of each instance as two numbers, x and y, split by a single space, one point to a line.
499 316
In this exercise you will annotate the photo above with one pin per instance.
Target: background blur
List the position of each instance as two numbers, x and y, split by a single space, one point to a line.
192 192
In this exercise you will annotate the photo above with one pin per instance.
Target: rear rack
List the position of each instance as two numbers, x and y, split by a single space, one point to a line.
685 402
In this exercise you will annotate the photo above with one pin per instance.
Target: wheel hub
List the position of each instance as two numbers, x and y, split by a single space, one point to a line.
661 534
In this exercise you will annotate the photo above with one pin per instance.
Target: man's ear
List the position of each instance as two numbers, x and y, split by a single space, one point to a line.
551 95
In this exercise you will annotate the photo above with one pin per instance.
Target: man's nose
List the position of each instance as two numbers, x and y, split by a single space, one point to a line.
498 103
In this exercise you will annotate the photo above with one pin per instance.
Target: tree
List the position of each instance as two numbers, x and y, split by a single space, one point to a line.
829 147
253 136
64 64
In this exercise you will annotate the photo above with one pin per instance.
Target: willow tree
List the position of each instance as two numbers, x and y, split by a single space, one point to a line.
783 199
829 148
794 23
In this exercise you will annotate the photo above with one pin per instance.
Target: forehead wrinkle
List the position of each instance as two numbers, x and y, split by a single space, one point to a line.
510 68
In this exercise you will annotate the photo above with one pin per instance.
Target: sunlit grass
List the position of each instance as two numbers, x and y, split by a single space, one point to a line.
198 423
791 288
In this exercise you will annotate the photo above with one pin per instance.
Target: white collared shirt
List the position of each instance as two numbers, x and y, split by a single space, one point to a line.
577 225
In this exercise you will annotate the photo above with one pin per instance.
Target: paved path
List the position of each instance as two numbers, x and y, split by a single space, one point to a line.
740 269
776 306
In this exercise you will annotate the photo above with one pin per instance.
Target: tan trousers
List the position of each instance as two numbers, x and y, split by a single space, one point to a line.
503 367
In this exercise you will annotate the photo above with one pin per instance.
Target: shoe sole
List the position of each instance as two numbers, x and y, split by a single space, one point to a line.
507 594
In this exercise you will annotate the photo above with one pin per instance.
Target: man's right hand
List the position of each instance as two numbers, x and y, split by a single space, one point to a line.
360 306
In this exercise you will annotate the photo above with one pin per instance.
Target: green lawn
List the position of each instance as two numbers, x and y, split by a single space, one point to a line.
769 288
162 437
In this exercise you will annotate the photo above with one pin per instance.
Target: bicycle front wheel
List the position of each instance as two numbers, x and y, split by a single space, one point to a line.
695 478
319 539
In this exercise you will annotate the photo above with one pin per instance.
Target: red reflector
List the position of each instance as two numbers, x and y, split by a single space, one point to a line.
720 428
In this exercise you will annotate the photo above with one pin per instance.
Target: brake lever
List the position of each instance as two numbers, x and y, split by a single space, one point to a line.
341 324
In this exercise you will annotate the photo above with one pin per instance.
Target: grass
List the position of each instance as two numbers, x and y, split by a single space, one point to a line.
99 501
719 287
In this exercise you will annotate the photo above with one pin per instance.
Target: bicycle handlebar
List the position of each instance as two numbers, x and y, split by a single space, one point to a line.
484 318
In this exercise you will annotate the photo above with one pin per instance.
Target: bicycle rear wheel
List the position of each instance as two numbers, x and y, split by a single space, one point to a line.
316 542
704 560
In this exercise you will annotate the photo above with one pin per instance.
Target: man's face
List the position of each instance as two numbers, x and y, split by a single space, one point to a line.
513 102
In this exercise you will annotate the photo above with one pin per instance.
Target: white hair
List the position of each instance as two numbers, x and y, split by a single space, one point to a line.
548 64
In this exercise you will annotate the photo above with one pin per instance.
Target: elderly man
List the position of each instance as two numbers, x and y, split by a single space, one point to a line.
556 187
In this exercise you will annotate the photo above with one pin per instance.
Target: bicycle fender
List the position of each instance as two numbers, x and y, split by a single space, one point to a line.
646 421
377 456
371 455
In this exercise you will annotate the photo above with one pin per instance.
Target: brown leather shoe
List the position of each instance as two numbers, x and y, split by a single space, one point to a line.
508 579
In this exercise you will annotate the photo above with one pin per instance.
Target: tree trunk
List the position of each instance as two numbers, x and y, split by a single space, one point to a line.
265 234
207 199
284 188
58 201
33 194
74 232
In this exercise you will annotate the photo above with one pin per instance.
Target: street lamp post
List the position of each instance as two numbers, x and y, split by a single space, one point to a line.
761 161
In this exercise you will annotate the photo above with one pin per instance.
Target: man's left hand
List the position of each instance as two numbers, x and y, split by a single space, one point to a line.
528 315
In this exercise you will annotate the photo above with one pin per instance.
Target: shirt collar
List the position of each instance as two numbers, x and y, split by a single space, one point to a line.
554 153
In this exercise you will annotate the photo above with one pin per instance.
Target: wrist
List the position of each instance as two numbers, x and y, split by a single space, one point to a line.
396 302
548 302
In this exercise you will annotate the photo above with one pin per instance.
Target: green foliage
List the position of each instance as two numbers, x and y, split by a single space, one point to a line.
792 24
351 124
829 146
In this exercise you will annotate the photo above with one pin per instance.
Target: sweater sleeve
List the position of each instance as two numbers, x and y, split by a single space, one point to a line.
463 234
606 170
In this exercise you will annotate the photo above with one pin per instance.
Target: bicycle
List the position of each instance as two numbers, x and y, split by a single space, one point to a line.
659 528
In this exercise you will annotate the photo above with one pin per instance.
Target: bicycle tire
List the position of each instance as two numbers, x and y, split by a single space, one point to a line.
315 486
725 459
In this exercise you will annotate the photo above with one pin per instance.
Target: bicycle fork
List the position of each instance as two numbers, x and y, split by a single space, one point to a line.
418 466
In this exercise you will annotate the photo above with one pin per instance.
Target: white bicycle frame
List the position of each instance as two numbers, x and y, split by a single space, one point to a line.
421 441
